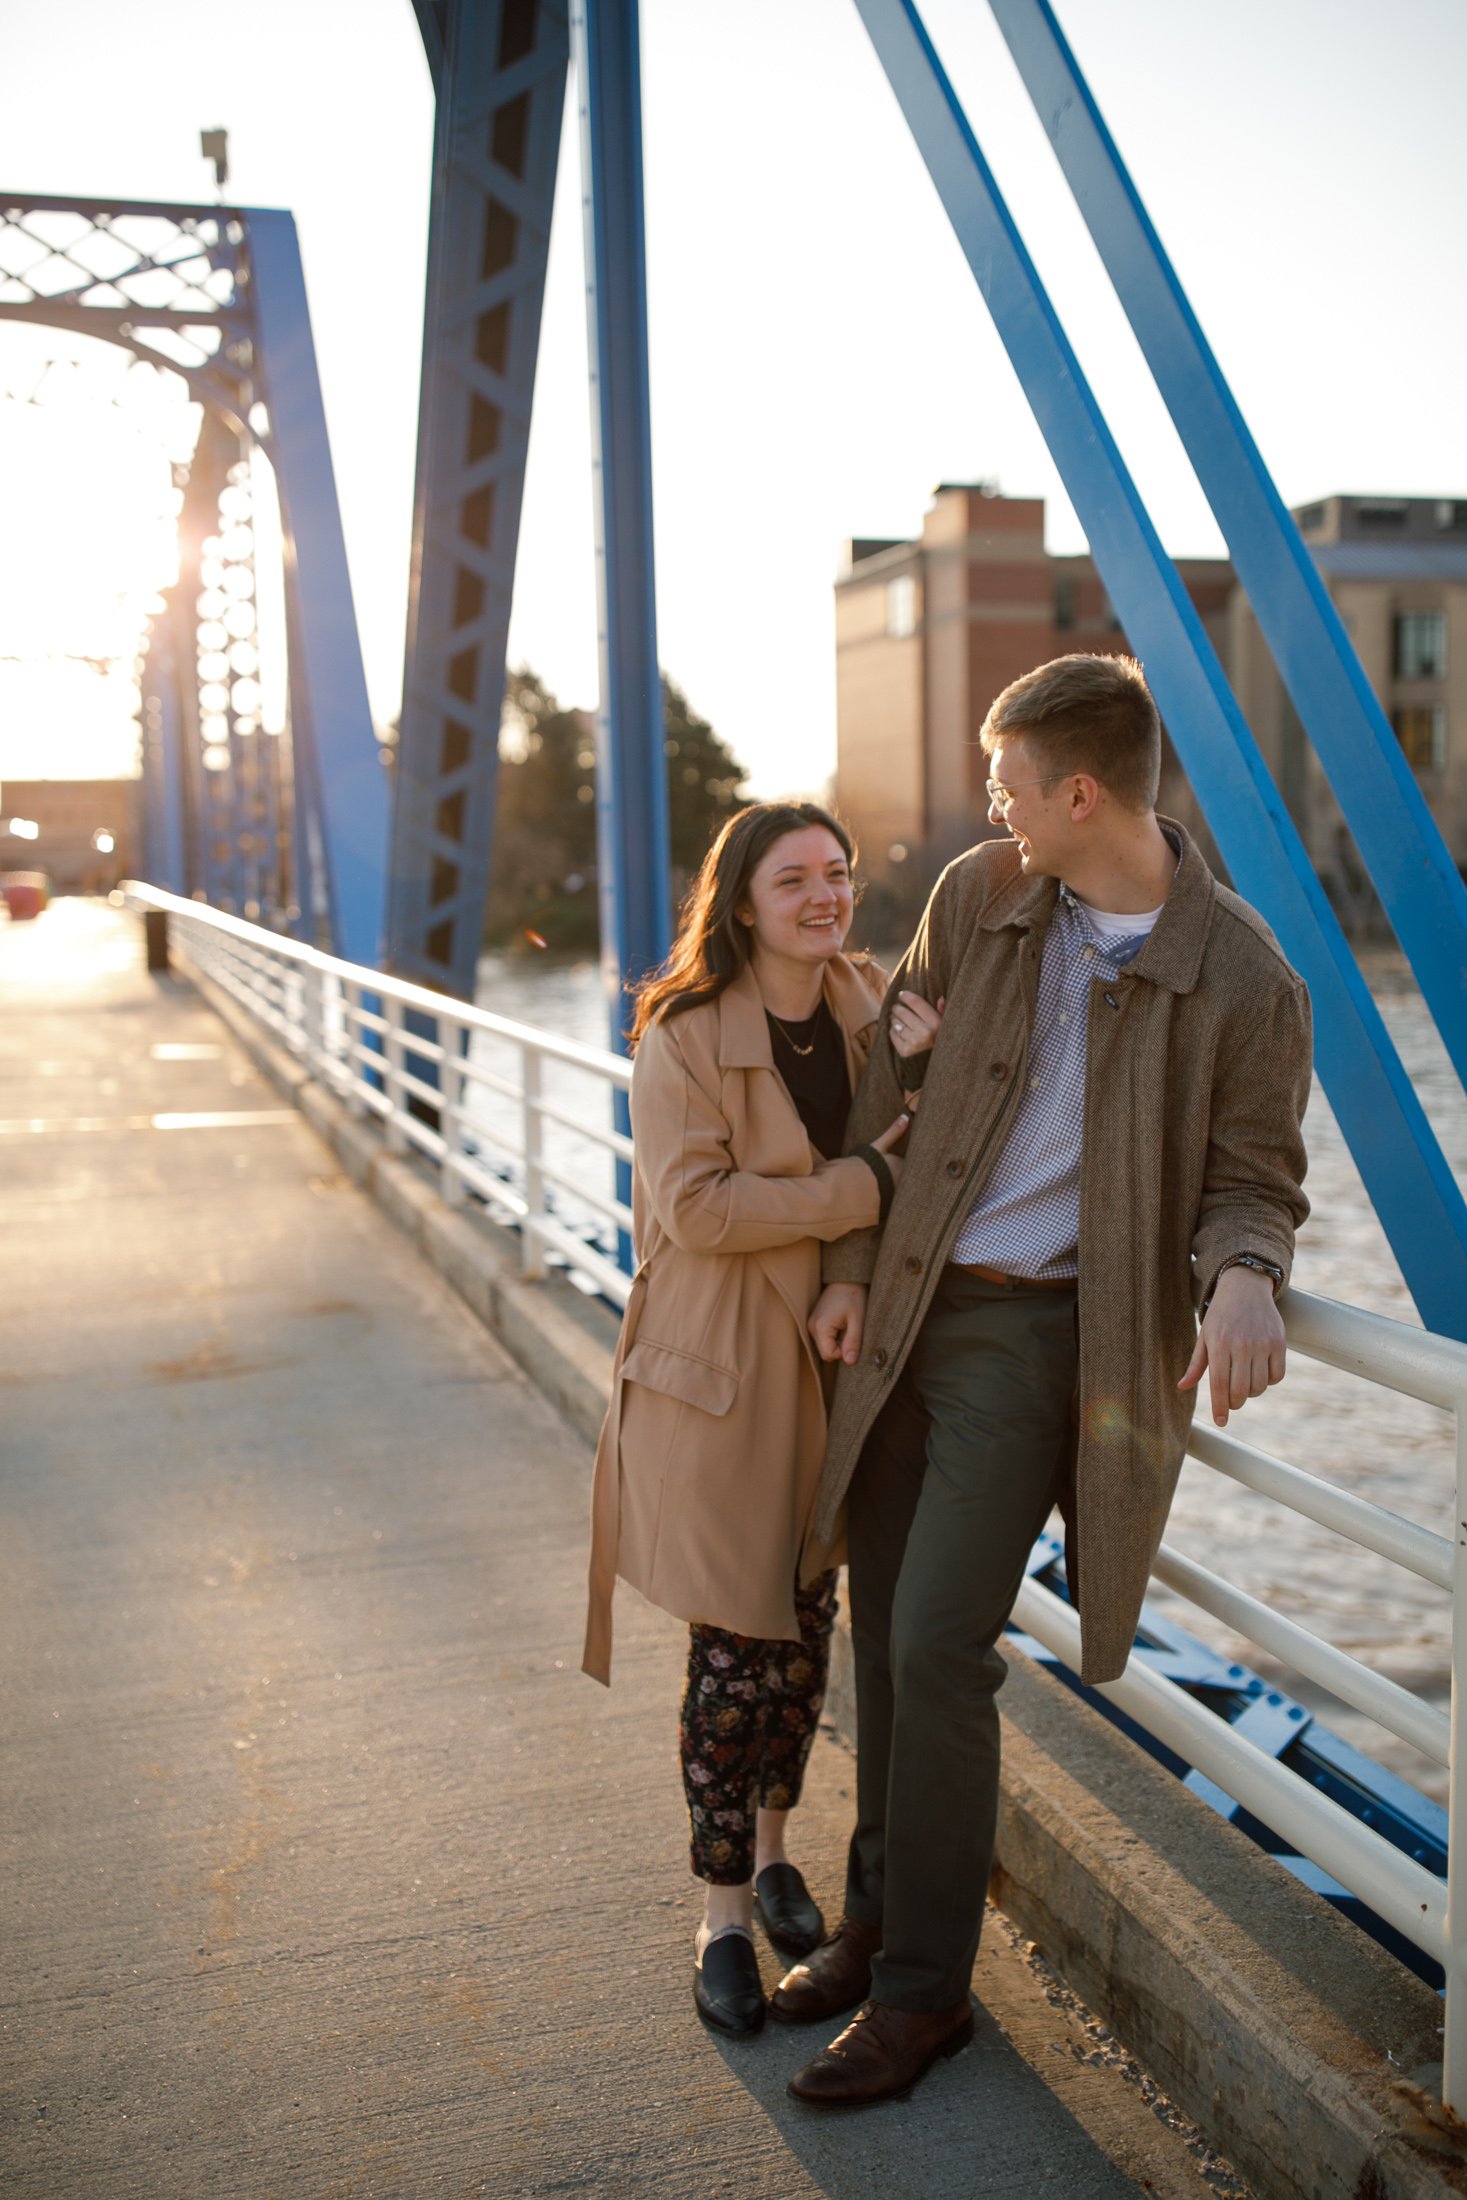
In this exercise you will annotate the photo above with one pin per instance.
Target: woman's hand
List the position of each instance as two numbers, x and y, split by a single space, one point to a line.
891 1136
914 1025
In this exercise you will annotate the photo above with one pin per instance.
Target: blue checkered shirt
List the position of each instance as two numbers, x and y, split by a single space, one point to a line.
1026 1220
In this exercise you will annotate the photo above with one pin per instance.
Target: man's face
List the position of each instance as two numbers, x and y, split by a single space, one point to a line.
1032 806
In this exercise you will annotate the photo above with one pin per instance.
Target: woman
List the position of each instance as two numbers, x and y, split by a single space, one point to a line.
748 1046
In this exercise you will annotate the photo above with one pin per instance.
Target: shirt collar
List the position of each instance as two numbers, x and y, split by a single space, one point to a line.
1172 955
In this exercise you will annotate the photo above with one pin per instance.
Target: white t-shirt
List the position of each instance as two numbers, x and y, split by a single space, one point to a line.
1107 926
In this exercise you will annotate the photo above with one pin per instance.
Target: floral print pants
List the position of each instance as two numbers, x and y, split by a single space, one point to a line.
749 1716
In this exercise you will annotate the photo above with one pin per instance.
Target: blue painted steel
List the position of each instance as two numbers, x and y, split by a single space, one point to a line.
162 760
432 18
631 775
1413 1190
496 145
1419 884
329 713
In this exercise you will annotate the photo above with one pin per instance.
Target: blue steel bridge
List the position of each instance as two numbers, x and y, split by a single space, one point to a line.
335 912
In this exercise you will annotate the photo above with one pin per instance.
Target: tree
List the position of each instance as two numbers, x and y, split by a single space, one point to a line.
543 873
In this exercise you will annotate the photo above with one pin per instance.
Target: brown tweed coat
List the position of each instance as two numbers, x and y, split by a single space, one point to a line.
1196 1078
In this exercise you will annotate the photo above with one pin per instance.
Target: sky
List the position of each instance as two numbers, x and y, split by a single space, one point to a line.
820 355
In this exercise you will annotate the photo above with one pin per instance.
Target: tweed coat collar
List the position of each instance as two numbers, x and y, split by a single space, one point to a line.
743 1034
1172 956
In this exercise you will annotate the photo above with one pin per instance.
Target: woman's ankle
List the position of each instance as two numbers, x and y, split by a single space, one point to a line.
727 1909
769 1840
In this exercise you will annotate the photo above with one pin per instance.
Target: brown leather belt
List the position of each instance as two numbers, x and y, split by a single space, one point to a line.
1015 1283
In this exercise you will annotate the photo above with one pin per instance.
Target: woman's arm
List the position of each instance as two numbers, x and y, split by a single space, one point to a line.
703 1201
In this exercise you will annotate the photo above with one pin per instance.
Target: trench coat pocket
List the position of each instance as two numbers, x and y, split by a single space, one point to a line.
681 1375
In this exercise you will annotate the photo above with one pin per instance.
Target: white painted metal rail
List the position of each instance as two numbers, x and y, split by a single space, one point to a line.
1430 1914
504 1110
501 1128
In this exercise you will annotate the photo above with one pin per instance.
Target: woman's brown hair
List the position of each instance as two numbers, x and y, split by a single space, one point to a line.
712 944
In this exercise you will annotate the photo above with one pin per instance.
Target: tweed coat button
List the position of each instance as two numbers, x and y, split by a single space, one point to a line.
955 1168
912 1265
878 1357
998 1071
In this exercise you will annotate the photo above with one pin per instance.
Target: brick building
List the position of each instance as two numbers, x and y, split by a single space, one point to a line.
929 631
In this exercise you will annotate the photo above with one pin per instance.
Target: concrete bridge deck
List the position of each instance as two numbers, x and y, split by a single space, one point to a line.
325 1872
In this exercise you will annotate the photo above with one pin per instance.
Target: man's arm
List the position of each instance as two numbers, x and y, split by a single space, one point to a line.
1252 1202
926 968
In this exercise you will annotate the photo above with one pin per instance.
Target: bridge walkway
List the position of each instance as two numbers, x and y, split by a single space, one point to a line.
325 1872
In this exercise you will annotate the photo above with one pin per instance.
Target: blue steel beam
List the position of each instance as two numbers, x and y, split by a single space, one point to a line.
329 714
1398 1157
164 859
501 82
631 767
1418 883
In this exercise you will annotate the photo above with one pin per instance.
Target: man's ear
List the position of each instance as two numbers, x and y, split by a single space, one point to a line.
1084 794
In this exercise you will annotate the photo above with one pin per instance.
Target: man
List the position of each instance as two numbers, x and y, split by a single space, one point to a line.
1108 1125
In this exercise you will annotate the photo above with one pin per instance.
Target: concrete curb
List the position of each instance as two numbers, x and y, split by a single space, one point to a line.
1300 2048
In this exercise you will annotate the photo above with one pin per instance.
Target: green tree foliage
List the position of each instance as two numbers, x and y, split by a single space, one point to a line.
542 882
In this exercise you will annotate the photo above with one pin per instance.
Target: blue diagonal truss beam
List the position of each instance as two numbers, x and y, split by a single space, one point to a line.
631 768
1394 830
499 67
1394 1148
331 721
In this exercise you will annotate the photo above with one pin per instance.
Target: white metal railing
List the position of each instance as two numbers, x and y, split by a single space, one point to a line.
493 1116
1430 1914
348 1025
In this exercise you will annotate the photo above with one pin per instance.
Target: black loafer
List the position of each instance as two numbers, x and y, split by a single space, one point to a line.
783 1906
727 1987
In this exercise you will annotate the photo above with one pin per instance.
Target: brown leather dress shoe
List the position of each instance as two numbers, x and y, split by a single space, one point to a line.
882 2053
831 1980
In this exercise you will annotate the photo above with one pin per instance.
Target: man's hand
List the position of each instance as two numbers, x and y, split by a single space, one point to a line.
838 1320
1241 1342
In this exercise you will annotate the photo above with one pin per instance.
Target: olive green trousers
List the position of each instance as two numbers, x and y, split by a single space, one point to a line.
954 1483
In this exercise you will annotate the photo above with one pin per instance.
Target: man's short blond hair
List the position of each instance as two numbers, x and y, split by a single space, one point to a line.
1085 714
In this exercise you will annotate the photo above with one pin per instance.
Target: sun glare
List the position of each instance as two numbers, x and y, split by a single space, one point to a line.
88 445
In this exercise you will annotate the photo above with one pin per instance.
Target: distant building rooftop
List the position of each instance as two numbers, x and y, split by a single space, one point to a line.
1342 518
1391 561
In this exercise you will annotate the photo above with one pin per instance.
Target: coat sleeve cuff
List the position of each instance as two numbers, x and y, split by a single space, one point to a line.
885 1182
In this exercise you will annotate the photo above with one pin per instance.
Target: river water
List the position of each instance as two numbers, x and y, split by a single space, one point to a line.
1389 1448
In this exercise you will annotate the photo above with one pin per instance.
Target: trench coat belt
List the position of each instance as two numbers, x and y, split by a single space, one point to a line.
1015 1283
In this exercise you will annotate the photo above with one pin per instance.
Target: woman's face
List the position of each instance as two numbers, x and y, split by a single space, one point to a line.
800 902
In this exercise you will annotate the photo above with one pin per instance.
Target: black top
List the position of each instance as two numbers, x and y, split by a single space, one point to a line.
817 1081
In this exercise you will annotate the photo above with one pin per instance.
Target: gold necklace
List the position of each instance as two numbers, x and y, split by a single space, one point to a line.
792 1044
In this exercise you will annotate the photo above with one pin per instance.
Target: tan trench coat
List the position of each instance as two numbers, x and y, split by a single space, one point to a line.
709 1459
1196 1078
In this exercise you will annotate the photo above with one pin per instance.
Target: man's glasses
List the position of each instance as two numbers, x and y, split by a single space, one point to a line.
1001 796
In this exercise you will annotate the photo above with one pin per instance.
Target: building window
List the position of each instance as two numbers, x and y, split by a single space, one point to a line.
1451 513
1420 645
1421 729
1381 512
901 607
1064 602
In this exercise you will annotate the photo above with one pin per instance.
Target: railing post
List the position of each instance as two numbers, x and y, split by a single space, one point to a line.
1454 1955
532 1253
392 1048
313 1021
351 1036
452 1036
